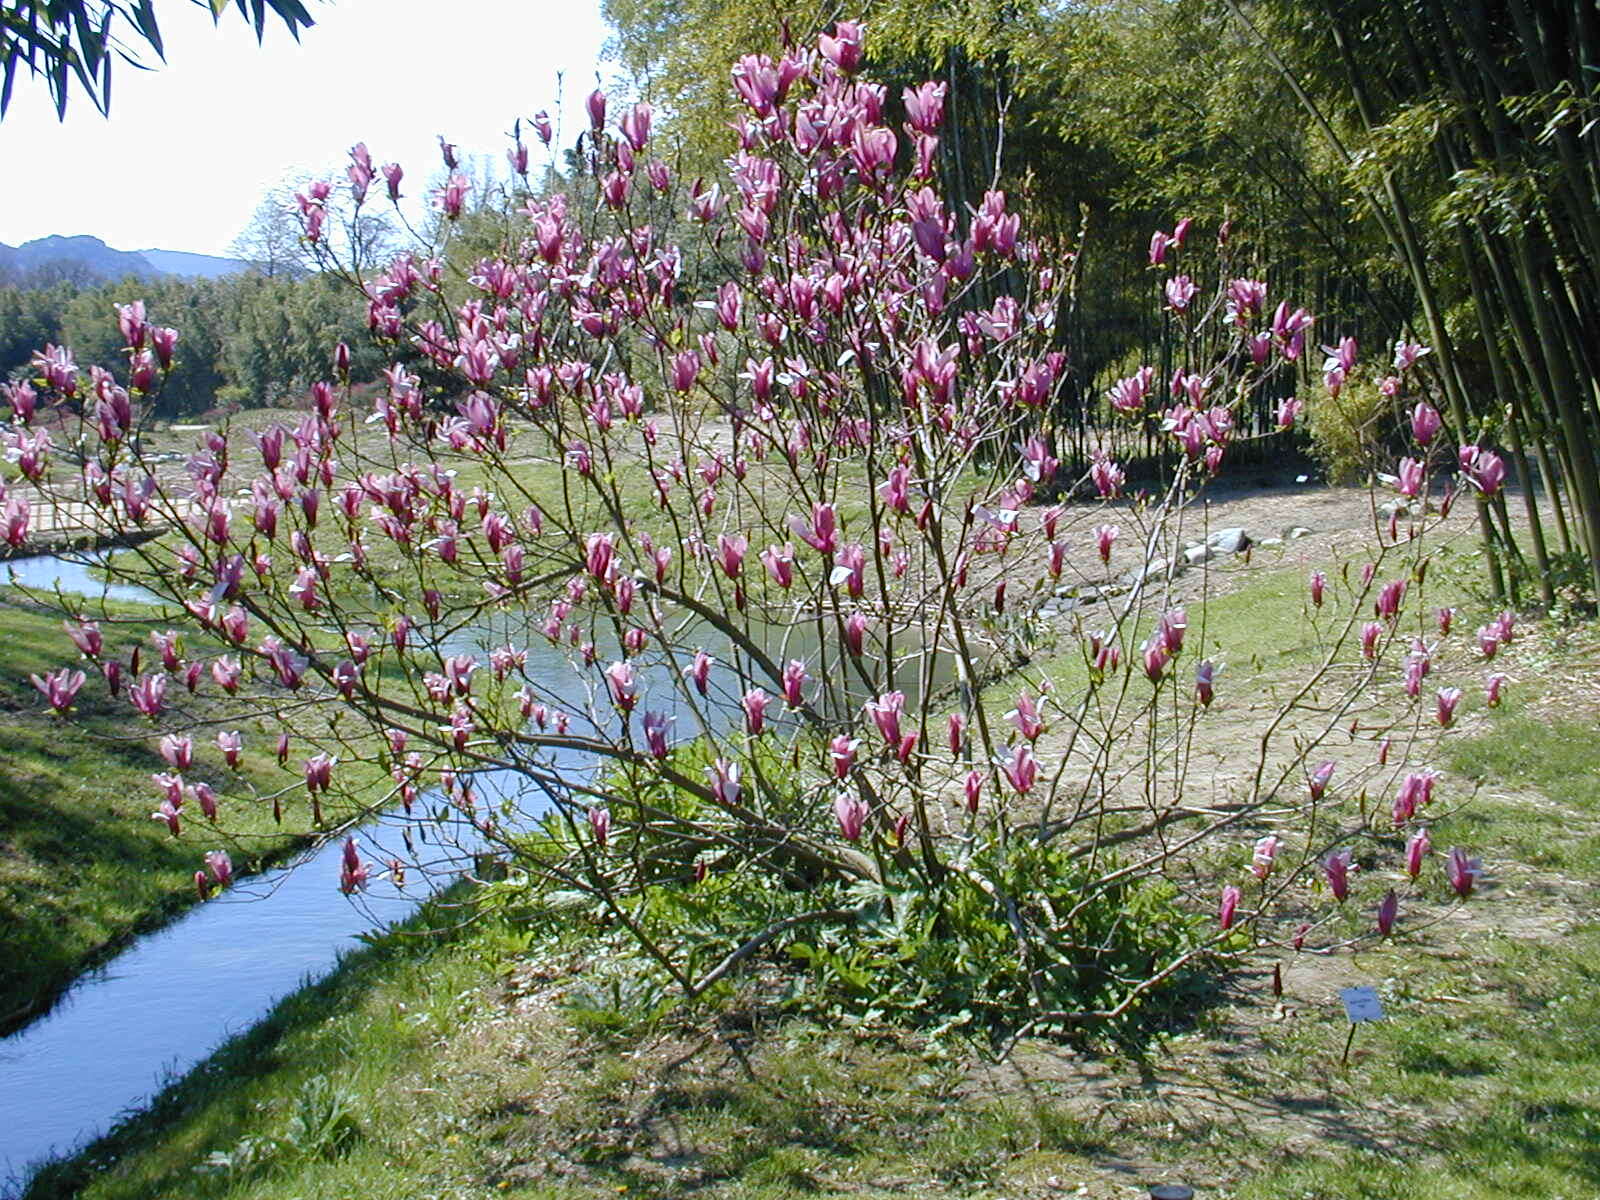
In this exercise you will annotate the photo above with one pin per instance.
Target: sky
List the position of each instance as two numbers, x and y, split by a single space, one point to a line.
192 146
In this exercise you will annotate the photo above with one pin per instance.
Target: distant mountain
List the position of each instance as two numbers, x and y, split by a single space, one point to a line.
84 259
191 266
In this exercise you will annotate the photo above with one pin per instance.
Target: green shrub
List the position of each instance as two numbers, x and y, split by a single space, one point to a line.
1347 430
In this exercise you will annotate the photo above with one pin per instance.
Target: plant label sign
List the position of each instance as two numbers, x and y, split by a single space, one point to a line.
1361 1004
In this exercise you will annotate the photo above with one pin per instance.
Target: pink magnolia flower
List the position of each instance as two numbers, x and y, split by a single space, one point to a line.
855 631
1264 855
1415 790
1406 354
130 321
1410 476
168 812
1021 769
148 695
1417 848
345 677
226 671
1026 717
885 712
1390 597
730 554
1173 625
1489 639
699 671
60 688
956 727
655 733
1388 909
620 679
1317 779
208 800
724 782
1180 292
1056 558
318 773
1463 872
1319 584
452 197
231 743
794 679
220 866
167 643
599 553
178 751
1415 668
600 825
86 637
755 703
1445 711
458 672
236 625
1487 472
925 106
973 788
352 871
1230 903
779 561
1425 422
1107 477
1507 621
851 813
1370 633
170 786
635 125
1246 298
842 752
1105 537
823 533
1205 675
1492 687
1156 657
844 48
1336 867
685 369
1128 395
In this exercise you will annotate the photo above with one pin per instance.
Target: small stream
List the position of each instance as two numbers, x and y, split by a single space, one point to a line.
73 576
161 1006
126 1029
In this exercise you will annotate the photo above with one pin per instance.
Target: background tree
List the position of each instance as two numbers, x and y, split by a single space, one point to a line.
271 243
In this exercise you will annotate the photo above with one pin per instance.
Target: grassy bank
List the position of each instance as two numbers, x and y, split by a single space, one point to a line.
497 1063
83 868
